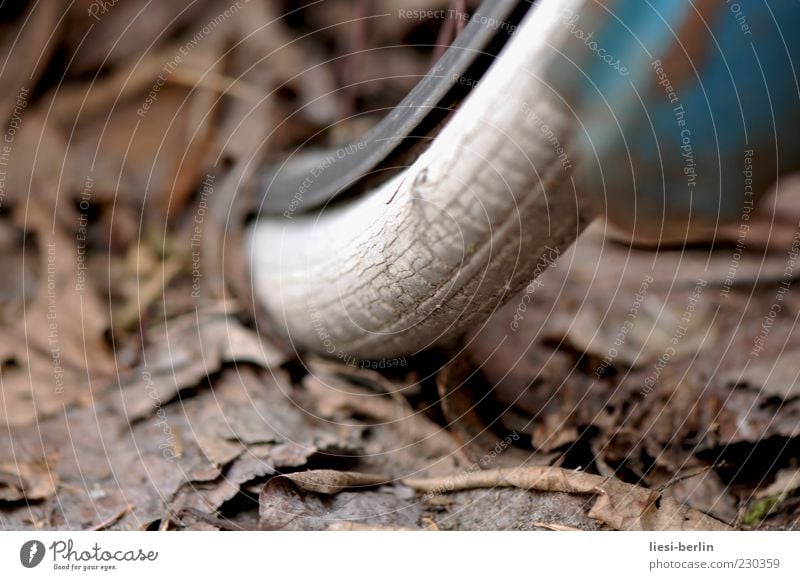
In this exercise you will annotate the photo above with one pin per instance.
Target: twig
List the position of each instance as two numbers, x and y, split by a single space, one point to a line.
556 527
113 519
678 478
359 527
218 83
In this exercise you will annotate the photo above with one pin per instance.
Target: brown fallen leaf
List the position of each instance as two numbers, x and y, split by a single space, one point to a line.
124 31
186 351
357 527
133 168
786 482
702 490
35 177
26 46
30 480
103 467
619 505
58 342
330 481
20 268
776 376
249 427
402 440
466 404
315 84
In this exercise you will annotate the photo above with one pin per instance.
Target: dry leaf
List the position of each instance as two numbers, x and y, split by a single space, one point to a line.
188 350
106 34
786 482
330 481
619 505
25 50
29 481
